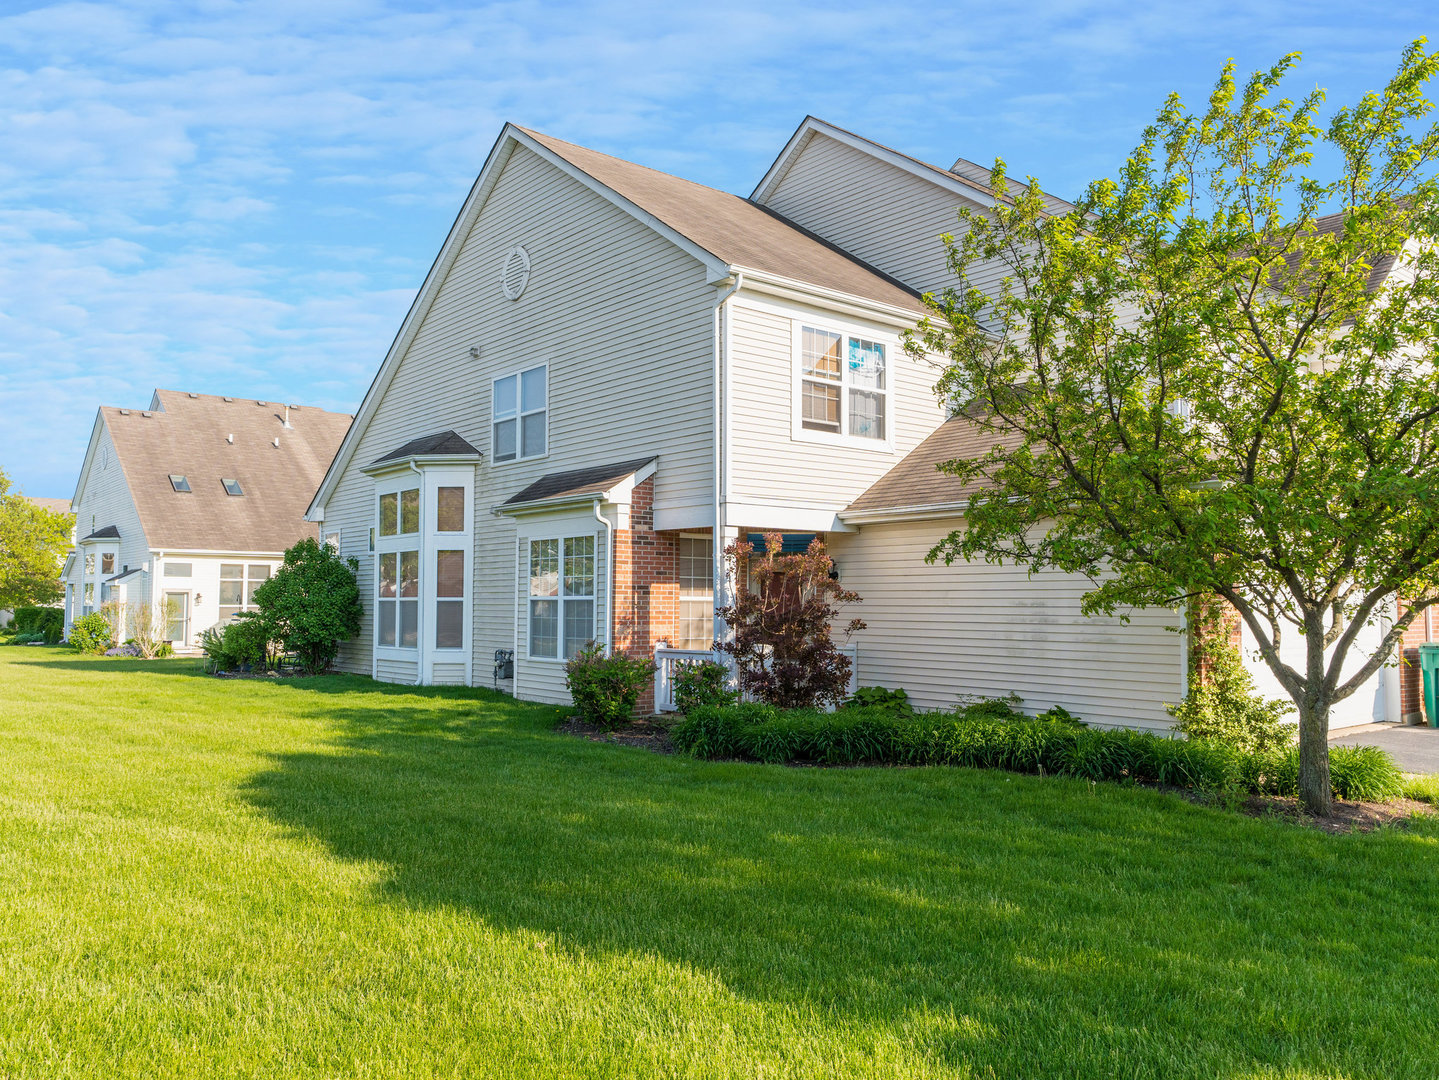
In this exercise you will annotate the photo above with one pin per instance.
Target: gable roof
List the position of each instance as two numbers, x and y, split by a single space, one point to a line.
1334 223
592 483
916 481
55 506
965 178
724 232
441 444
736 231
187 435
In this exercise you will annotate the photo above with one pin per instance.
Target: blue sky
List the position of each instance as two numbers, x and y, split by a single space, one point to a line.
242 198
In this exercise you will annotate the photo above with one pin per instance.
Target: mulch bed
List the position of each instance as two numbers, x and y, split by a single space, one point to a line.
648 733
652 733
1347 816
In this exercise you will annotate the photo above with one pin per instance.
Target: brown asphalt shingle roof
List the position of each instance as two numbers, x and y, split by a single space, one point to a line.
443 443
187 437
577 482
55 506
916 480
735 230
1333 223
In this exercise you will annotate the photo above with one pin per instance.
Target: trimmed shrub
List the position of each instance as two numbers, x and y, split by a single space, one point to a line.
312 603
702 683
986 736
1224 707
879 697
606 688
48 622
91 633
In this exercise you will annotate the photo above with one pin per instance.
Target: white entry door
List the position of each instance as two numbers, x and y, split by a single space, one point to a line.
177 618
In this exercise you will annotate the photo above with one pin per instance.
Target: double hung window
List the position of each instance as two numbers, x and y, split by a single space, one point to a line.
562 595
843 384
397 607
519 415
107 562
696 626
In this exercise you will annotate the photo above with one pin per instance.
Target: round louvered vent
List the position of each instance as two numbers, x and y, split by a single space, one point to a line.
515 274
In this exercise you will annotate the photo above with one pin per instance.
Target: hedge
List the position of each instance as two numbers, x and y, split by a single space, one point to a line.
46 621
978 738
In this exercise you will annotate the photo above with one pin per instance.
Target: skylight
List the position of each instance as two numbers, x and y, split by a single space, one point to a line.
179 483
232 487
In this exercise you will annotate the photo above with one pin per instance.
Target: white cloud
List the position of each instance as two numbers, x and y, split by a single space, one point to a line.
243 196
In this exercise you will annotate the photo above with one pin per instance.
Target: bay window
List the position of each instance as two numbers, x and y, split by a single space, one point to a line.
562 595
397 582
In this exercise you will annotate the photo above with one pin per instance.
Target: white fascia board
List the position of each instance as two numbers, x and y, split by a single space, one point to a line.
812 126
479 193
785 518
905 513
716 269
761 281
420 460
616 495
89 457
207 553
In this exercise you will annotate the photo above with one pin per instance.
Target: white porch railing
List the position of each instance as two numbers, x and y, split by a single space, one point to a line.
668 660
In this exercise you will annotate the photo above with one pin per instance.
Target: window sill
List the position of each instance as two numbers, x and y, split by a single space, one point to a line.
517 461
848 442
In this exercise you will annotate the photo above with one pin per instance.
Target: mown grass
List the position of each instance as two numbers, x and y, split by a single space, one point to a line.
332 877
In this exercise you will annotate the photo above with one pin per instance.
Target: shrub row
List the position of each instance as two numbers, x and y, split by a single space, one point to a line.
47 622
979 738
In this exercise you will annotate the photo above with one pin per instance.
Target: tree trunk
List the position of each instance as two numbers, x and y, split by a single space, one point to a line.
1314 786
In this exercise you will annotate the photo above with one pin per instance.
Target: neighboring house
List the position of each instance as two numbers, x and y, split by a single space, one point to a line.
610 373
188 505
55 506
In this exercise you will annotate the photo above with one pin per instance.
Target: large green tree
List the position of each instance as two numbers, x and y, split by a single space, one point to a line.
33 542
1198 389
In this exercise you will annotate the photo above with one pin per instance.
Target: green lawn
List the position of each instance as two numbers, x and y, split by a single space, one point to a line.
337 878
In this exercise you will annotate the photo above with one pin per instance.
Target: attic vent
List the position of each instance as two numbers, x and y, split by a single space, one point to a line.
515 274
124 412
195 396
147 414
229 399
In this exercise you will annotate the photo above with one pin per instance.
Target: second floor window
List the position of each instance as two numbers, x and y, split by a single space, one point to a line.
843 384
520 405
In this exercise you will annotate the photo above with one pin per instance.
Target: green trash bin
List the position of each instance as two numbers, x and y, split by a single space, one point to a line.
1429 672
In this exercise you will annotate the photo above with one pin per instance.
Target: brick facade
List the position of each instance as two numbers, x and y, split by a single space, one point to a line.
646 584
1216 622
1411 693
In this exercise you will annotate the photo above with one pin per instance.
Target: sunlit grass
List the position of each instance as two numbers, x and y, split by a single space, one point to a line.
334 877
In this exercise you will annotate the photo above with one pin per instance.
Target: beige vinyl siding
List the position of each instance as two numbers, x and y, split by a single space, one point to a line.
621 316
974 628
543 679
767 464
876 211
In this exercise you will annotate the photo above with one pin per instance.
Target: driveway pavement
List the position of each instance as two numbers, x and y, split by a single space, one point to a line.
1415 749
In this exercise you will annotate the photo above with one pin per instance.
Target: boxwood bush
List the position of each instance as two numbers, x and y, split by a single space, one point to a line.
985 737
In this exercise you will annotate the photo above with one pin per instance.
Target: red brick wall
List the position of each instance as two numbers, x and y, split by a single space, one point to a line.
1411 693
1219 624
646 584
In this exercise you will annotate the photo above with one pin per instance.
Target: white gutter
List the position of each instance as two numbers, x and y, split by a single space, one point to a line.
609 641
721 427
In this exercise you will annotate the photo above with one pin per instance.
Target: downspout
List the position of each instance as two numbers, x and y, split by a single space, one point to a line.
721 433
609 641
420 628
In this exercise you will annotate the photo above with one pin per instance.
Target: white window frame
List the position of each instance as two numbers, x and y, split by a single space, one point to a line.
396 545
518 416
562 537
798 431
248 583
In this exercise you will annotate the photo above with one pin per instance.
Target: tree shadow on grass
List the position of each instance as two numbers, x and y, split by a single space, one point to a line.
998 920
